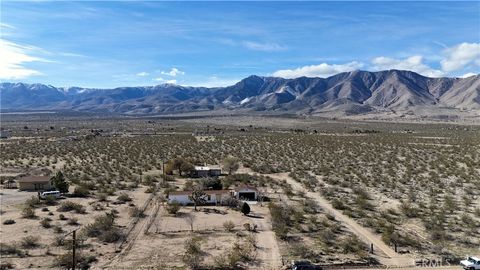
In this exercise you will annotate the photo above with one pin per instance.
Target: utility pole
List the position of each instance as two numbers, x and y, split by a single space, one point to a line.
73 249
74 246
163 169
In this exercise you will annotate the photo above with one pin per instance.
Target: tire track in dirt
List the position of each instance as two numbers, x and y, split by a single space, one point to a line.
139 227
269 253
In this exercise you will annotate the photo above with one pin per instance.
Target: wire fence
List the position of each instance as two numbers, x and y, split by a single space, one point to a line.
131 225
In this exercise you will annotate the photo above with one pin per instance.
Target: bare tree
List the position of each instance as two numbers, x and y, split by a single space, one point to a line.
198 197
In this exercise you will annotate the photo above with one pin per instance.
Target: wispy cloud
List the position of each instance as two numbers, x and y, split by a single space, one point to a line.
215 81
162 80
14 57
69 54
321 70
143 74
173 72
6 26
265 47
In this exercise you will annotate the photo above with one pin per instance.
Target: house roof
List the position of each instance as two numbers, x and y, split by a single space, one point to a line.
33 179
208 192
245 187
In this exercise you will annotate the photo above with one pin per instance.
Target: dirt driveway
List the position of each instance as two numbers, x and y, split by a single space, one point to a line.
9 197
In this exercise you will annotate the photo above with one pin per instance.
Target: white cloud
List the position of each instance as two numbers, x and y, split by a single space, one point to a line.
173 72
14 57
266 47
69 54
321 70
459 56
413 63
143 74
470 74
5 26
160 79
215 81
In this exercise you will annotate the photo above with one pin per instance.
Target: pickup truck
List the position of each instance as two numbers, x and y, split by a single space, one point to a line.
471 263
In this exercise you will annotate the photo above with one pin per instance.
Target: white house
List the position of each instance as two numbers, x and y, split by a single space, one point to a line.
212 196
246 193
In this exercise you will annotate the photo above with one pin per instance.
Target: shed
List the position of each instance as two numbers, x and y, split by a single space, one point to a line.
10 183
206 171
33 182
200 171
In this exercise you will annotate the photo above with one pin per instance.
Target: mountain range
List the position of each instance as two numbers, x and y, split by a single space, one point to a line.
356 92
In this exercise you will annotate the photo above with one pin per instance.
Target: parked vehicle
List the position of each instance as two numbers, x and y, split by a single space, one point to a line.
471 263
55 193
304 265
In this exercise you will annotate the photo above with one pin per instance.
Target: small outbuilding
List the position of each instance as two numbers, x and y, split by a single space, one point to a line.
212 196
4 134
34 183
205 171
246 193
10 183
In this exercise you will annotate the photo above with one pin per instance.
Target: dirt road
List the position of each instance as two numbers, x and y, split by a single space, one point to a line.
385 254
137 230
268 252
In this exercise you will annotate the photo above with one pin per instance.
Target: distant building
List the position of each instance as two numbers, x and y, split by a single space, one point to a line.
246 193
10 183
206 171
212 196
4 134
31 183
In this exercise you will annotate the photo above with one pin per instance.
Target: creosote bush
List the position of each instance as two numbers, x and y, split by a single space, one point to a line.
173 207
30 242
229 226
104 229
71 206
28 212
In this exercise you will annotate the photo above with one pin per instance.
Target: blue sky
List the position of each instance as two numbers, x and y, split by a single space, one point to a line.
109 44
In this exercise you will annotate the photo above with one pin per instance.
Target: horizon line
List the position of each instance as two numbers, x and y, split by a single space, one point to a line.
252 75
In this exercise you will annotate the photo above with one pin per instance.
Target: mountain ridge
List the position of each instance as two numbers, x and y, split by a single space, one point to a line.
355 92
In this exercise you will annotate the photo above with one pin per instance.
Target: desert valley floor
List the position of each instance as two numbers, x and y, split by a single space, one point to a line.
328 190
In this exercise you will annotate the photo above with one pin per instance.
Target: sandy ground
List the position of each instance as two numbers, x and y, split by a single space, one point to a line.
164 240
385 254
12 197
43 256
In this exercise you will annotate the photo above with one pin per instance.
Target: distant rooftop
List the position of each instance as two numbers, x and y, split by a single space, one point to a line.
33 179
208 192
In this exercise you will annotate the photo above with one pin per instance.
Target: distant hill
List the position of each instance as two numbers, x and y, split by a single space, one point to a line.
356 92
